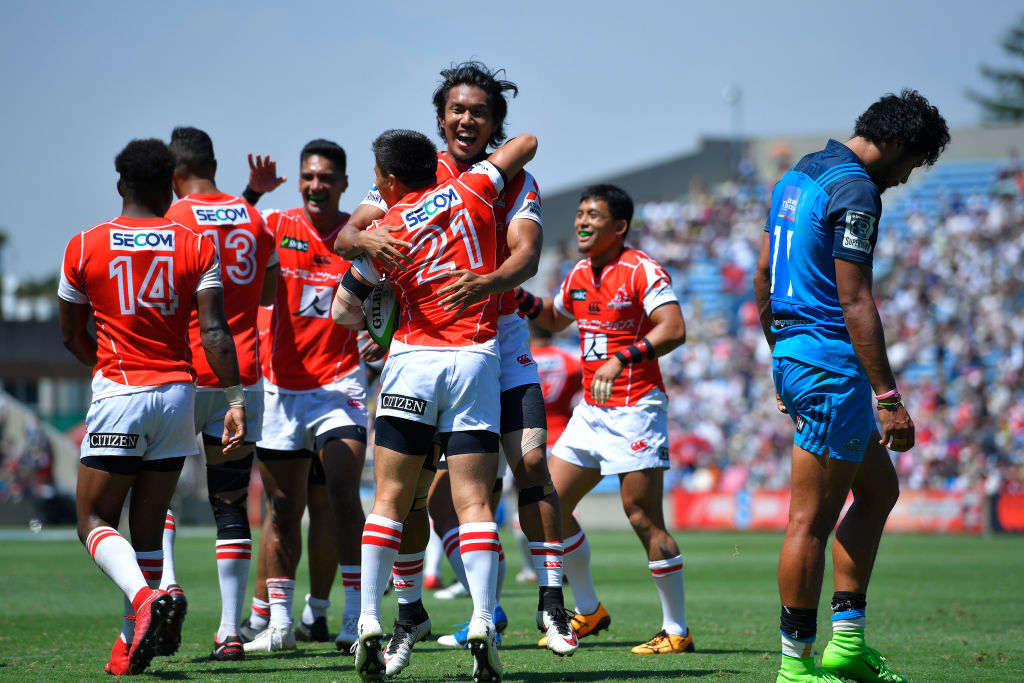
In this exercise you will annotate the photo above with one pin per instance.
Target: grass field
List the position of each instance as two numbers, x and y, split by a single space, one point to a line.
942 608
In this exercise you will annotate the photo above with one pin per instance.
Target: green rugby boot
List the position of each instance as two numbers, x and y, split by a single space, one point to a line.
847 656
802 670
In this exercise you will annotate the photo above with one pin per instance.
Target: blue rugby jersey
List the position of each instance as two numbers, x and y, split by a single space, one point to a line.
826 207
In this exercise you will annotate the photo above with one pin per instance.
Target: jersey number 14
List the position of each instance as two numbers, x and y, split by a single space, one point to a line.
157 290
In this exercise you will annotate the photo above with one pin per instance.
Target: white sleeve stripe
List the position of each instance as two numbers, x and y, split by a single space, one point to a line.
364 266
210 279
68 292
273 260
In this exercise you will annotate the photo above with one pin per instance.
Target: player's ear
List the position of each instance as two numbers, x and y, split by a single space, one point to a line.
621 227
120 189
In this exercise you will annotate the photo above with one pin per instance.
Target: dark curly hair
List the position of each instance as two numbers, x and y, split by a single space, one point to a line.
408 155
907 117
476 74
193 151
146 168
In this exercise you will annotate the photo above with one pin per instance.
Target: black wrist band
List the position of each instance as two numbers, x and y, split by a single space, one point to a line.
250 195
350 282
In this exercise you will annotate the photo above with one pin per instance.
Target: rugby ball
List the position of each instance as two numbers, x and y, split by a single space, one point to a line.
382 311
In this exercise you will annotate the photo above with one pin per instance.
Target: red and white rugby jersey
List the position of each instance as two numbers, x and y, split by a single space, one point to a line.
263 317
450 226
520 198
307 349
140 276
561 379
245 248
613 312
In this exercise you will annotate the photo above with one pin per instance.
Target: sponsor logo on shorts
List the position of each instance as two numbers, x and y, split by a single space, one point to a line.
142 240
525 360
663 454
113 440
800 422
578 294
854 446
406 404
638 445
355 403
236 214
860 227
292 243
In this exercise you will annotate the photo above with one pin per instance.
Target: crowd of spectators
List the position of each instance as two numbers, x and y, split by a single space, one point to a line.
949 289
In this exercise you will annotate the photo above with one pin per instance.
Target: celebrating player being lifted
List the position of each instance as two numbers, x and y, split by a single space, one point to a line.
315 402
140 275
813 291
627 314
440 374
248 269
471 107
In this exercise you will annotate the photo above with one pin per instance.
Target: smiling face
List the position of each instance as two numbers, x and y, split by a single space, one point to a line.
320 186
597 232
468 123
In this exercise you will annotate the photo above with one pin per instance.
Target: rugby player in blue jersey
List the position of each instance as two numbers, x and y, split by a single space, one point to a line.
813 290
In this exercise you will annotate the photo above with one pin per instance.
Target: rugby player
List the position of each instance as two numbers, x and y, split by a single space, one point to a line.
315 394
248 271
471 108
813 289
140 276
627 315
439 360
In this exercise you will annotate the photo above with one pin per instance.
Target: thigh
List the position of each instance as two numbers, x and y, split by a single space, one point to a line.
572 481
285 477
396 474
820 486
99 498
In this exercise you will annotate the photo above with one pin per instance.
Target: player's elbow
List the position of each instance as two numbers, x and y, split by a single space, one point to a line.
346 317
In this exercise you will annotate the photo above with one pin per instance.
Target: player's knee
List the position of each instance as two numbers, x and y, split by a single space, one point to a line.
231 517
534 494
228 484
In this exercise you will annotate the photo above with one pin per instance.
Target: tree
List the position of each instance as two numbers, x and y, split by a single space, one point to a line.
1007 104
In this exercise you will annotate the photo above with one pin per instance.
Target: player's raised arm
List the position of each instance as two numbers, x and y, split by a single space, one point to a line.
263 178
511 157
219 347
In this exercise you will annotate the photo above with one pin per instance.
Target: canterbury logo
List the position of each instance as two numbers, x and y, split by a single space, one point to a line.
639 444
525 359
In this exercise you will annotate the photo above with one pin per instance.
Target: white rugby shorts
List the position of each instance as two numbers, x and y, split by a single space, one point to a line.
617 439
212 406
454 389
153 424
517 365
292 420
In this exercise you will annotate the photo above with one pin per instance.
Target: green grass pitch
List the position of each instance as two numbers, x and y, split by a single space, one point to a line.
942 608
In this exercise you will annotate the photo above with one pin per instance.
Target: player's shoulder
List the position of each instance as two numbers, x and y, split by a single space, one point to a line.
523 180
633 258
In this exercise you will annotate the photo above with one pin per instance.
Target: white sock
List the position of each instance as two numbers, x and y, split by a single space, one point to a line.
259 617
352 582
434 553
128 622
115 557
451 549
546 559
502 568
233 557
168 550
281 591
314 609
668 577
576 568
408 577
381 539
478 545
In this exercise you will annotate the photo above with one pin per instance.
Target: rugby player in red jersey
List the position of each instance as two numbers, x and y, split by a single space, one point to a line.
248 270
140 276
471 107
439 360
315 394
627 315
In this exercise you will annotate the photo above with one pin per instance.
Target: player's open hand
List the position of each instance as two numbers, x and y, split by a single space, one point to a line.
468 289
604 380
369 350
379 245
263 176
234 429
897 428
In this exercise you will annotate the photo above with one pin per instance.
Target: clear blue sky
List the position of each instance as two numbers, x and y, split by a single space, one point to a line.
604 85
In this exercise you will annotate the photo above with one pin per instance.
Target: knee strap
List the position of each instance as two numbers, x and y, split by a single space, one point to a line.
535 494
232 517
